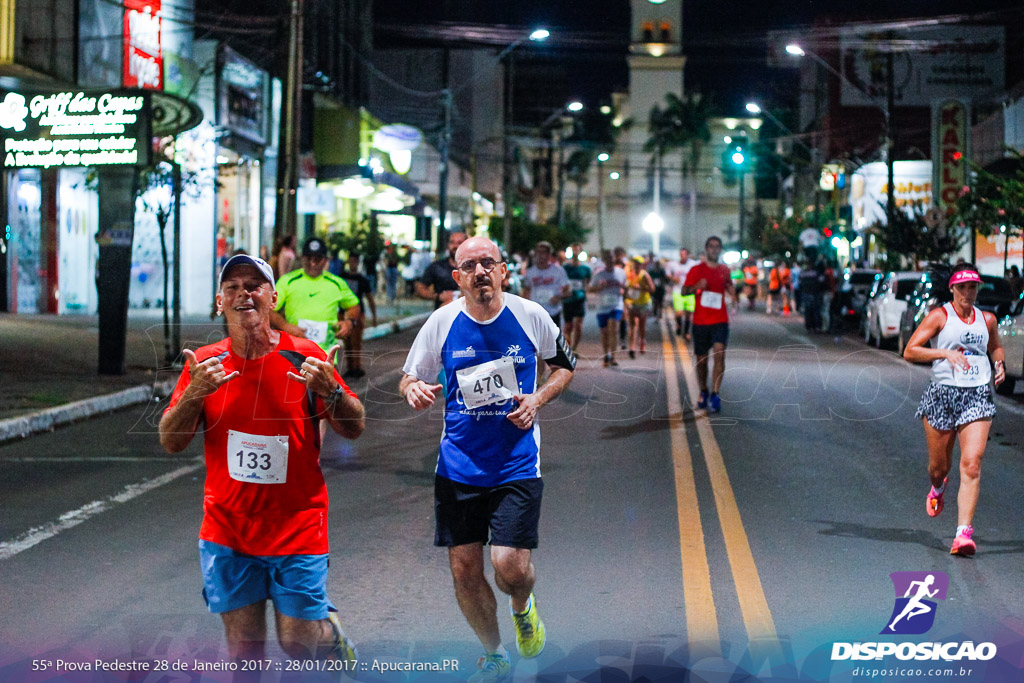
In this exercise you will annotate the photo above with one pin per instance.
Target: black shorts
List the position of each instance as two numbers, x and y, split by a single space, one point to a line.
506 515
574 309
706 336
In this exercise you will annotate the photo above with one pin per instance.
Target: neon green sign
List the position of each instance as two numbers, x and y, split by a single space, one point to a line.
56 130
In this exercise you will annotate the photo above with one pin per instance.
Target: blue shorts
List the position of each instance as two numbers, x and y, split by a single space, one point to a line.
603 318
297 584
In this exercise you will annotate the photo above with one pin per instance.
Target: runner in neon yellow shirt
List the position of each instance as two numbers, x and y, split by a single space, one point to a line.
312 303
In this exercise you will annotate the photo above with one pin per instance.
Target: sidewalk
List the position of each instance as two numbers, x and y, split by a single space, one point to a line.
48 362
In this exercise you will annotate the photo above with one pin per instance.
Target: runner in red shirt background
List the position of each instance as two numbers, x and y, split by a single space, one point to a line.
710 281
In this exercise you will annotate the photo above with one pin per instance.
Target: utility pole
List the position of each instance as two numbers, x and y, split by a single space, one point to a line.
506 154
288 175
446 143
890 104
176 271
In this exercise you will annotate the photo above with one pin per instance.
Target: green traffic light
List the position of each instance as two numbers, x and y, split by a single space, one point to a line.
737 158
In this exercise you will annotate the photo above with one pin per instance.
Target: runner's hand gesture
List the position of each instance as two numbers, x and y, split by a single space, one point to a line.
206 377
420 395
525 414
318 375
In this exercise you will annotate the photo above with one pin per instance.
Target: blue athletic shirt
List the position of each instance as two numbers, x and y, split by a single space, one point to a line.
481 446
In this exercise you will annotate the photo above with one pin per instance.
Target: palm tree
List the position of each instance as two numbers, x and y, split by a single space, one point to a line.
681 125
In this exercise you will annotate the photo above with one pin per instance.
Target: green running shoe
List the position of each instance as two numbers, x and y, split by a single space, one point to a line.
530 635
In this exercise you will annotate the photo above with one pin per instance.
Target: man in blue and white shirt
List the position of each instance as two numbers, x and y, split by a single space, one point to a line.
488 485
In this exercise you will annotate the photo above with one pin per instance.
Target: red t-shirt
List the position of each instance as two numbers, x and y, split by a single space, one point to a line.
286 513
710 308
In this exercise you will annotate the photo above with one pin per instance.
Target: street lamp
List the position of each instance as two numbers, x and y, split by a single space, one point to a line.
574 106
601 158
654 224
890 208
537 35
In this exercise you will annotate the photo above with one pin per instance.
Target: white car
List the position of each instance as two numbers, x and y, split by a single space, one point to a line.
1011 333
885 306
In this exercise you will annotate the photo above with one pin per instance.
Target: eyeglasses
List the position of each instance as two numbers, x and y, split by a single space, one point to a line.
486 263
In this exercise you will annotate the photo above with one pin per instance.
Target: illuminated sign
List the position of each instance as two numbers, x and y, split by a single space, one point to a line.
950 130
242 96
75 129
143 57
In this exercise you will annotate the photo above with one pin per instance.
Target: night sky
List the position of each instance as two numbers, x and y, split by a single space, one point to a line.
724 40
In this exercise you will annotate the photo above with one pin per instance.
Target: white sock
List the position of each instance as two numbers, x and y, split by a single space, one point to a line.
500 651
529 602
961 529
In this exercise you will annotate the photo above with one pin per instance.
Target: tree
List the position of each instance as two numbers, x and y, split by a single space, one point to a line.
681 125
994 203
909 240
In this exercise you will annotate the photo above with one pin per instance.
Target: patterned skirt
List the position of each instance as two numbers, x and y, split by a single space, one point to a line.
947 407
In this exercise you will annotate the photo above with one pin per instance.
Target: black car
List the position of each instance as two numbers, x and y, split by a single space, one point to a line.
994 296
853 293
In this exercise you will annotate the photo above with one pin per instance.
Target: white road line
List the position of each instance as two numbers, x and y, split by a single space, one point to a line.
73 518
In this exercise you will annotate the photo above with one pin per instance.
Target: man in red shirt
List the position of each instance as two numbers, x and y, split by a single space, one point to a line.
259 396
710 282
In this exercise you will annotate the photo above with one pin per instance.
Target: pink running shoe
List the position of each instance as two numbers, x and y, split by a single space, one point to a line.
933 503
963 545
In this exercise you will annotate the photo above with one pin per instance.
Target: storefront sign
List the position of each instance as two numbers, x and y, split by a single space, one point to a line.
946 61
75 129
949 128
143 56
242 94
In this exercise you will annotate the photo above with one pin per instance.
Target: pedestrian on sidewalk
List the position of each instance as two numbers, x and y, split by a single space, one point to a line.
259 395
488 486
958 404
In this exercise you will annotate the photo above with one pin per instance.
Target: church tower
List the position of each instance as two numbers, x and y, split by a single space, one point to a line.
656 64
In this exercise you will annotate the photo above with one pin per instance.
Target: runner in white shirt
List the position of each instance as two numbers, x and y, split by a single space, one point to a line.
546 282
608 284
683 306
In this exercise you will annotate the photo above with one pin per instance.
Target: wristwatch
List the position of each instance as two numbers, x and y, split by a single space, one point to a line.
334 396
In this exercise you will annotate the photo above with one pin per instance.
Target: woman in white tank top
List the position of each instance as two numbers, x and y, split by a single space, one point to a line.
958 402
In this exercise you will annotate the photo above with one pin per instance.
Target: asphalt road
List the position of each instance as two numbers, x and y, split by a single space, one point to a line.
747 543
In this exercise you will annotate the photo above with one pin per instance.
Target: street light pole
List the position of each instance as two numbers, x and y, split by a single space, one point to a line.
742 211
886 109
600 202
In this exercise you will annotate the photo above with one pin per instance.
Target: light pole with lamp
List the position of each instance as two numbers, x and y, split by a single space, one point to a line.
537 35
886 109
738 158
653 223
574 107
601 158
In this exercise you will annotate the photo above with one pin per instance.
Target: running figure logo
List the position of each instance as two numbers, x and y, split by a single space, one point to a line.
914 612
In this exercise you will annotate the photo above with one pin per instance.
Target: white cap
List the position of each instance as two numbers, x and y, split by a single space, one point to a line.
246 260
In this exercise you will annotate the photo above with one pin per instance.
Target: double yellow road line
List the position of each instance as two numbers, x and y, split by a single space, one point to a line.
701 614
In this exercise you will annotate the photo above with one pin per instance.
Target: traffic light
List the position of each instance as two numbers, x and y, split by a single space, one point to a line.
737 157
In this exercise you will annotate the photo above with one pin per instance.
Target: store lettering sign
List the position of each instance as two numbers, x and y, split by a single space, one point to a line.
950 128
57 130
143 56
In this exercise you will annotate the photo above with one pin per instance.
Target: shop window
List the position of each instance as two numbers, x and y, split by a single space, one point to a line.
665 29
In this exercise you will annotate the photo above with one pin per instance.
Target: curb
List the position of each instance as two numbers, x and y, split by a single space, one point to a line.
23 426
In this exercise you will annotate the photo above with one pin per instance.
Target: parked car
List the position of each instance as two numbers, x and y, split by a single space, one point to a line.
881 322
1011 332
853 293
994 295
